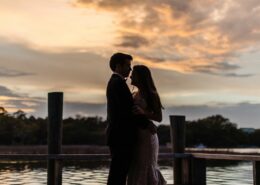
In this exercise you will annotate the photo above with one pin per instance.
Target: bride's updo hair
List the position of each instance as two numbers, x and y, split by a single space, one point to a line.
147 87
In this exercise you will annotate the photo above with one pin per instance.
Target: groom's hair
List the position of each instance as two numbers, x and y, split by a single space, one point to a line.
118 58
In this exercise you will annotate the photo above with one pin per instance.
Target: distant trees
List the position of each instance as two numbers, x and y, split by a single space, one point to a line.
164 134
17 129
84 130
254 138
212 131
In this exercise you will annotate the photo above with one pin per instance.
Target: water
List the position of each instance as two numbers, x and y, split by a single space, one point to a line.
238 174
82 173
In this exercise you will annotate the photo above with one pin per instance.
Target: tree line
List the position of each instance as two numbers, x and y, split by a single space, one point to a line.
213 131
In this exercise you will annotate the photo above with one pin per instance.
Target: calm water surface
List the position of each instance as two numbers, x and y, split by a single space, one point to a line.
80 173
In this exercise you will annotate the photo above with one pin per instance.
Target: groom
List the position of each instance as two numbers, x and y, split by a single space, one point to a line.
122 123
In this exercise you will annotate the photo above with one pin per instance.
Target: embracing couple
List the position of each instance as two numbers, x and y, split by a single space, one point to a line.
131 134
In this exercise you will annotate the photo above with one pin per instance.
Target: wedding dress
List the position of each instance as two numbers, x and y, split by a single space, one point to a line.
144 168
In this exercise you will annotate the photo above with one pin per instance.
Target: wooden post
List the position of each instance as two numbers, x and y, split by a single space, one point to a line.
178 145
198 171
55 104
186 171
256 171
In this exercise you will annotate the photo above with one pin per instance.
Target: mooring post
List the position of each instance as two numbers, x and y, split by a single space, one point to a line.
178 145
198 172
256 171
55 105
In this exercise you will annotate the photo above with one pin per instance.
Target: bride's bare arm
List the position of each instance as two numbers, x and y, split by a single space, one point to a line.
152 115
155 116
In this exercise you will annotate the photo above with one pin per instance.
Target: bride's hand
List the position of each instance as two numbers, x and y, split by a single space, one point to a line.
153 128
138 110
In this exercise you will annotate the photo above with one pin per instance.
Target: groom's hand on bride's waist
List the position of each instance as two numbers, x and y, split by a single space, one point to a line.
152 128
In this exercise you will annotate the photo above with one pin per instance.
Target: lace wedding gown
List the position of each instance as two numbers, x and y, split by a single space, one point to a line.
144 168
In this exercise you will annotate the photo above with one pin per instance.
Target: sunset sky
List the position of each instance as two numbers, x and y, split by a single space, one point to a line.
204 54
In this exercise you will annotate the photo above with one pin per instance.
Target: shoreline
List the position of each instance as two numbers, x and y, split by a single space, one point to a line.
96 149
66 149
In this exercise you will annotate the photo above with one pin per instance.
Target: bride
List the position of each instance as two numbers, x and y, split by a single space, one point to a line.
144 168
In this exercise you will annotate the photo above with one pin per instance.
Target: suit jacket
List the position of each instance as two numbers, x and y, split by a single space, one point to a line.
122 123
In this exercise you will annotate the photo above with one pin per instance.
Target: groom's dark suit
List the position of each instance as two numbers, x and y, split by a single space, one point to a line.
122 128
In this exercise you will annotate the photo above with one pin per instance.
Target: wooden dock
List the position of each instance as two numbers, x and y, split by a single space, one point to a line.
188 169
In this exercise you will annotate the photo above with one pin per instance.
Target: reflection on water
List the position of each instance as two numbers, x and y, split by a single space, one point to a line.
241 174
93 173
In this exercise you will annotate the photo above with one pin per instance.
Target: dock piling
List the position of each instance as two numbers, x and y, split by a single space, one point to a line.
55 108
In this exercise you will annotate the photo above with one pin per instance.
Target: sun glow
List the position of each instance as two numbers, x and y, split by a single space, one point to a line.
55 24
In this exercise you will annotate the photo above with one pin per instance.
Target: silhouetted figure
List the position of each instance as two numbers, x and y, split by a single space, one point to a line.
144 167
122 122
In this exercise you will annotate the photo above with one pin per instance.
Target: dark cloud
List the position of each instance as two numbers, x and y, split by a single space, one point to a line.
111 4
4 91
225 66
238 75
216 67
4 72
25 102
221 69
133 41
155 59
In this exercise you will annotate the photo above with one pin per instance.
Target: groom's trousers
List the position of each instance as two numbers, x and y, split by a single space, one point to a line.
121 159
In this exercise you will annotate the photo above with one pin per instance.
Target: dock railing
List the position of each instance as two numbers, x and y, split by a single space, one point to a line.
189 168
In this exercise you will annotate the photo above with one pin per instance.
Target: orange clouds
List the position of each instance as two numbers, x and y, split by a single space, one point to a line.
198 32
183 33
